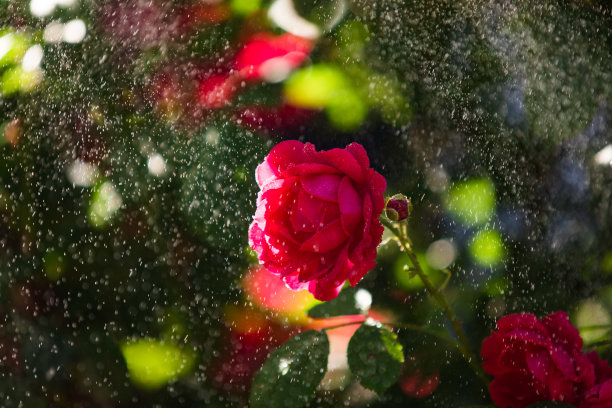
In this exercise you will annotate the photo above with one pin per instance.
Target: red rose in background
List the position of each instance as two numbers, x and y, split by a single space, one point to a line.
535 360
273 119
216 91
419 385
249 338
265 55
316 223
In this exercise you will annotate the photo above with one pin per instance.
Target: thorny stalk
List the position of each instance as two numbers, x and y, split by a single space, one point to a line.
400 231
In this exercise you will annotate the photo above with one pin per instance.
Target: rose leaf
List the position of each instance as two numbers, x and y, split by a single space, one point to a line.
375 357
292 372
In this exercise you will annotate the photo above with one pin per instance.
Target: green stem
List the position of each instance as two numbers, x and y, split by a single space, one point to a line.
437 295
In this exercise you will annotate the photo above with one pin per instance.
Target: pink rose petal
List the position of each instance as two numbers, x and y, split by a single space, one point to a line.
306 169
539 364
345 162
286 154
329 237
350 206
324 291
324 186
264 173
360 154
565 334
605 392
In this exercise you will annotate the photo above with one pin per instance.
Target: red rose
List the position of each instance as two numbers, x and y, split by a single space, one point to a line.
270 57
216 91
533 360
316 223
600 396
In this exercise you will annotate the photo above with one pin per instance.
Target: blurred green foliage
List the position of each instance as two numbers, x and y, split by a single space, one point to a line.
125 200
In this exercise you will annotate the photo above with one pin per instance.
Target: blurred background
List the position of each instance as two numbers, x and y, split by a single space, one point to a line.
129 135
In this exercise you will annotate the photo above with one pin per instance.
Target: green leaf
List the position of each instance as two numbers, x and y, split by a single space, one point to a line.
347 303
375 357
550 404
291 374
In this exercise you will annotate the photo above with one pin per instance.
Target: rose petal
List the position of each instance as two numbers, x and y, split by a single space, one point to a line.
564 362
342 267
345 162
264 173
356 253
312 208
258 242
260 215
562 332
360 270
280 230
324 291
602 368
299 221
378 185
517 390
520 321
324 186
294 283
305 169
256 237
605 392
286 154
513 358
275 201
282 184
360 154
490 352
539 364
305 263
350 205
561 389
585 370
527 336
312 269
327 238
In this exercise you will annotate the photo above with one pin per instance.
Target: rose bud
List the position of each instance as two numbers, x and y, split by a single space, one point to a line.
316 223
398 207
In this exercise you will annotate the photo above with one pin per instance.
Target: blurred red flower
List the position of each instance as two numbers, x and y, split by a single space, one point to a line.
419 385
216 91
267 56
273 118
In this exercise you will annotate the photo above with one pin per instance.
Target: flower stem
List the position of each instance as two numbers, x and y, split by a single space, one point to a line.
462 343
